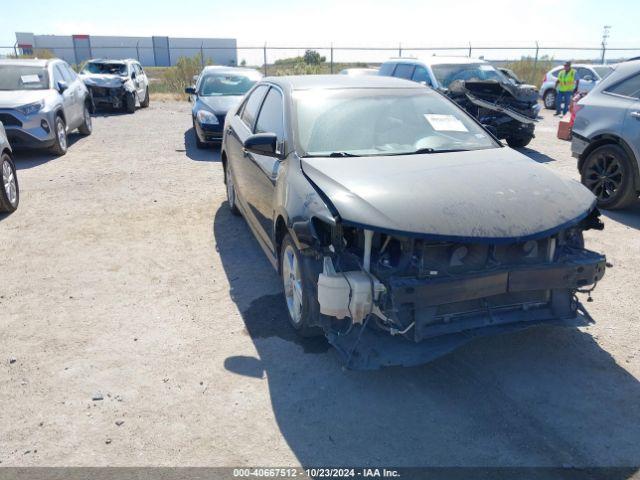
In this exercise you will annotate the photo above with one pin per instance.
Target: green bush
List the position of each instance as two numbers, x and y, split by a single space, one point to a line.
529 71
175 79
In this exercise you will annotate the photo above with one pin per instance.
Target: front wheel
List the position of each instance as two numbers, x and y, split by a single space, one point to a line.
518 142
231 190
60 142
87 127
298 292
10 192
608 173
549 99
130 102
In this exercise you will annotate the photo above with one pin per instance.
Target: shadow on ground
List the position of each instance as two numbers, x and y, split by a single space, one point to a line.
629 216
542 397
29 158
209 154
536 155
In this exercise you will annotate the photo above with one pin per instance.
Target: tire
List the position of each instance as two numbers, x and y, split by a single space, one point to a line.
231 191
199 144
129 102
549 99
145 101
518 142
9 188
60 131
87 126
298 291
608 173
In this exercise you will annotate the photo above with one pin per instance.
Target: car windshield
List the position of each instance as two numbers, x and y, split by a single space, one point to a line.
105 68
447 73
603 72
225 84
22 77
382 121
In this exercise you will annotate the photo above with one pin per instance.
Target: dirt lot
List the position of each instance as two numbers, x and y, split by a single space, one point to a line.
125 276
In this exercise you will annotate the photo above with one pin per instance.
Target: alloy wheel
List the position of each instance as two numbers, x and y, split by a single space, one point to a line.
62 135
231 193
9 182
604 176
292 284
87 118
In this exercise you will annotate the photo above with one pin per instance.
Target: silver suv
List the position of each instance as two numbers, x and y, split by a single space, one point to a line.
589 76
606 137
41 101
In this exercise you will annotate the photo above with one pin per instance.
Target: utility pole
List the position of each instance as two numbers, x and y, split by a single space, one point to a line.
605 37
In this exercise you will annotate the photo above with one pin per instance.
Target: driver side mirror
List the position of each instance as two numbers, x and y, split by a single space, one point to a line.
62 86
190 90
133 75
262 144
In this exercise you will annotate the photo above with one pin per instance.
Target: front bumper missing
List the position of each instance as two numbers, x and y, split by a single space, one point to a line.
498 108
448 312
113 97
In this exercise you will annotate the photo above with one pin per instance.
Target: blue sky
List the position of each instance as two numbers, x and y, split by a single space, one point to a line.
355 22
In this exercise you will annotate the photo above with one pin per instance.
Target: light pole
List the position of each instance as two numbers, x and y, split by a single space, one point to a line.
605 37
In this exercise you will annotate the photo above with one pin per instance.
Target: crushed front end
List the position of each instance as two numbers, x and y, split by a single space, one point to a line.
438 295
510 111
111 96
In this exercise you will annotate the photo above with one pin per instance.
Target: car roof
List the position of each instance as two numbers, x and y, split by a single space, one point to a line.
32 62
223 68
436 60
308 82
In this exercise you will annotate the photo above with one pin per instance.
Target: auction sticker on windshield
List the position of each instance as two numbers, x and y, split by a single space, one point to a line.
30 78
445 123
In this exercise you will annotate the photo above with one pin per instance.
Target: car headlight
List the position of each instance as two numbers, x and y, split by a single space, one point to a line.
31 108
207 117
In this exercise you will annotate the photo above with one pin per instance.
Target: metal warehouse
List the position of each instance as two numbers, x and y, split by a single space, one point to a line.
156 51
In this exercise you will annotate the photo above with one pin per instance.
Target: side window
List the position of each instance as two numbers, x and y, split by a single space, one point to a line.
270 117
404 70
57 75
555 72
252 105
69 74
421 75
585 72
629 87
387 69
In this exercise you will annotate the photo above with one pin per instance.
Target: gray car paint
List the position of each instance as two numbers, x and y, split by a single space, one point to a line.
482 194
69 103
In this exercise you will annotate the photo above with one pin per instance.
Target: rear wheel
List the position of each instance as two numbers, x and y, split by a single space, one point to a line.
518 142
60 130
9 193
145 101
298 293
87 127
549 99
608 173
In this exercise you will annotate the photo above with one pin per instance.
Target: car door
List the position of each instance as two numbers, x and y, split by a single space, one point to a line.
68 97
262 170
79 92
141 80
631 127
239 128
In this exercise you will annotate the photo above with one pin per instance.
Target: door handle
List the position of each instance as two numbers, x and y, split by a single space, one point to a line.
635 114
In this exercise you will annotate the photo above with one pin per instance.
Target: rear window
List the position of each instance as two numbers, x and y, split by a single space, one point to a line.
404 70
629 87
386 69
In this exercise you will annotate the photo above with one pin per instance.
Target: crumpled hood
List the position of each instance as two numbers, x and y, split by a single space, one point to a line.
103 80
220 105
17 98
492 195
490 89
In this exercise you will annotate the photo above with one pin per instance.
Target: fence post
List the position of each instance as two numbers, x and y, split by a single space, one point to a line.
264 56
535 64
138 50
202 54
400 49
604 48
469 49
332 57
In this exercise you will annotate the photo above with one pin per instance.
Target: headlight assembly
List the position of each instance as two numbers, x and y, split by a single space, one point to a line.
31 108
207 117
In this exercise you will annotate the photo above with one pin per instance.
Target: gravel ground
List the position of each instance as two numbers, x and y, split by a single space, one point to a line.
130 294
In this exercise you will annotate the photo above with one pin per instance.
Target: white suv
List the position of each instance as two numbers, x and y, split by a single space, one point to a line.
117 83
589 76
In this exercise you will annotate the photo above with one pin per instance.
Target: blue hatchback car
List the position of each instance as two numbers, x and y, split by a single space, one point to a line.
217 90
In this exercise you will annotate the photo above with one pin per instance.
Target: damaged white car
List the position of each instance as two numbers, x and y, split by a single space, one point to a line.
119 84
402 229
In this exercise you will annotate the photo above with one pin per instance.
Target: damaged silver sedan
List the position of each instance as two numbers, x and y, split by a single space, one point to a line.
402 229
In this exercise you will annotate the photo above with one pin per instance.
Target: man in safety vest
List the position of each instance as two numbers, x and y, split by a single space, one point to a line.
566 84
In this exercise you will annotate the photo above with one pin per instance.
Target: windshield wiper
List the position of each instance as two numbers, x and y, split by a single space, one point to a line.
343 154
431 150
